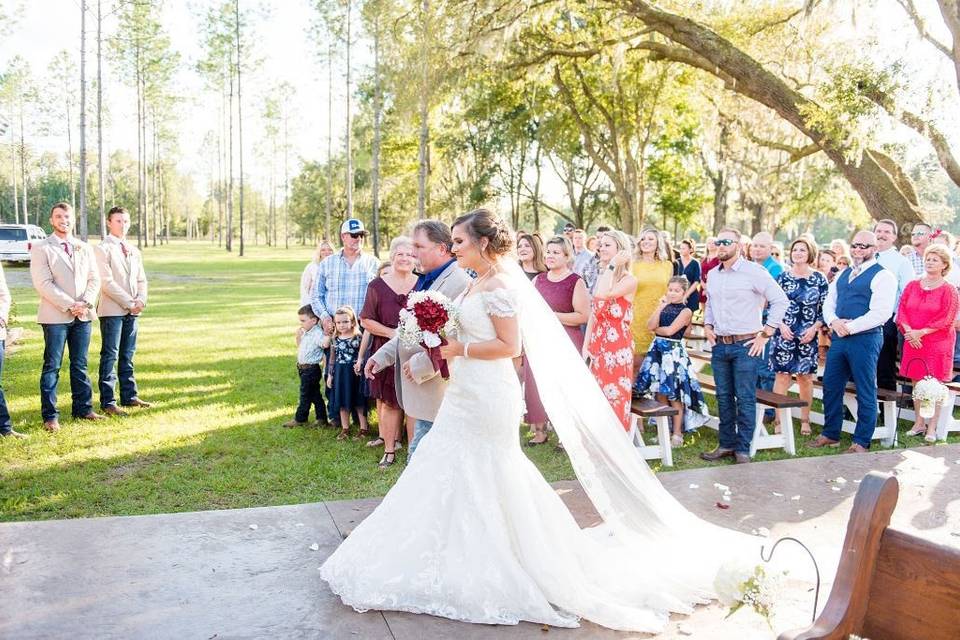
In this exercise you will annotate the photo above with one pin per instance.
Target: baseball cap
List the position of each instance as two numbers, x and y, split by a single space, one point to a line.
352 225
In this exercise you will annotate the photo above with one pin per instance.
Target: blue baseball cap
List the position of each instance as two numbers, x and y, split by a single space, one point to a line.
352 225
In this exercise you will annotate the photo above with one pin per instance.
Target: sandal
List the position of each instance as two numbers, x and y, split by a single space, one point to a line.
915 433
376 443
344 434
676 441
397 445
533 442
362 434
931 438
388 459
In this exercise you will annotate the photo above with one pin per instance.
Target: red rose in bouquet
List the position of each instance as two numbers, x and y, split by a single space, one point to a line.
425 321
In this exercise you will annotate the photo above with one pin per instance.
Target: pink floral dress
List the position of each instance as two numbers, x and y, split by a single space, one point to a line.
611 353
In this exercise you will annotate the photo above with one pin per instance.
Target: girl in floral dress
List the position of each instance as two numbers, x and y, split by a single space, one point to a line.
608 342
666 370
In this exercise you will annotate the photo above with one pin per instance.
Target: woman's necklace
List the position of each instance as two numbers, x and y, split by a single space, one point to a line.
928 284
482 277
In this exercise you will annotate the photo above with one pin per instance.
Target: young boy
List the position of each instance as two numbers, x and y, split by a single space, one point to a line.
311 343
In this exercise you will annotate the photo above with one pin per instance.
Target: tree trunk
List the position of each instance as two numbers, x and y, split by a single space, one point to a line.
377 113
229 242
286 186
236 6
424 152
348 142
23 163
139 146
880 189
328 204
82 221
100 195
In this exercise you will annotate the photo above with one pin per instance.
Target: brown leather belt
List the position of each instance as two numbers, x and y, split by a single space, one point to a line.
306 366
736 338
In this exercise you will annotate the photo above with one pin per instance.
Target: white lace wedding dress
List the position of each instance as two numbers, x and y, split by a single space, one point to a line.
471 531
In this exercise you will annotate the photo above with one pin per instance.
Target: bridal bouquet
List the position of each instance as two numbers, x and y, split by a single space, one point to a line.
929 392
426 321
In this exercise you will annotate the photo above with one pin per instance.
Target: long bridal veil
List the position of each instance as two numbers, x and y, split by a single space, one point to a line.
637 512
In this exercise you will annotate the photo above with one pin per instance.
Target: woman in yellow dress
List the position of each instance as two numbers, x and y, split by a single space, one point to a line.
652 268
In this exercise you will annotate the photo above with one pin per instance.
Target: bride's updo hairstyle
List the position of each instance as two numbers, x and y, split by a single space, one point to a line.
483 224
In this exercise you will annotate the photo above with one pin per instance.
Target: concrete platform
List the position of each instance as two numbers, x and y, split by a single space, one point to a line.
213 575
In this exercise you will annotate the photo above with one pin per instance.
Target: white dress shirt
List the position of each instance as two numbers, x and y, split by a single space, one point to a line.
883 290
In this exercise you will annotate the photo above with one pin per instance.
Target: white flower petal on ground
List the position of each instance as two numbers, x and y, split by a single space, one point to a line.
779 495
694 486
795 498
254 527
314 547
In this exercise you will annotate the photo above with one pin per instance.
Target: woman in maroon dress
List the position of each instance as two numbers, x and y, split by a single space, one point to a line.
386 296
566 293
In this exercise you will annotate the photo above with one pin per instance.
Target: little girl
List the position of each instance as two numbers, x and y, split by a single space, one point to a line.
666 370
346 393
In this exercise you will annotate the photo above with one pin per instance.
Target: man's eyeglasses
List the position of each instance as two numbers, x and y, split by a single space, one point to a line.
357 235
860 245
724 242
920 233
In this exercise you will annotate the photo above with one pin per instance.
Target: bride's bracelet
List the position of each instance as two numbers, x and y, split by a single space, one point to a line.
466 349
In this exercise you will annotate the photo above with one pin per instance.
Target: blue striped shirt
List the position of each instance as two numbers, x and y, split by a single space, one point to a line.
339 283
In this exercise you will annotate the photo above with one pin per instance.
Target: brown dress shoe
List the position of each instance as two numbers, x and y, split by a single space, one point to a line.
14 434
91 416
716 454
137 402
51 425
290 424
114 410
856 448
741 458
822 441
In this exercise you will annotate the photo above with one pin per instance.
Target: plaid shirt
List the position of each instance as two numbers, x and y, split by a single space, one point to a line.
916 261
338 283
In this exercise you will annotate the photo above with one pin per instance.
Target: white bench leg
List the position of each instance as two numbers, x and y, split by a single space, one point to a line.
946 416
786 429
632 434
663 438
890 422
758 431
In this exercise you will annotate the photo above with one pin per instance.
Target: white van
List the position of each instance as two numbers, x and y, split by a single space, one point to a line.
17 239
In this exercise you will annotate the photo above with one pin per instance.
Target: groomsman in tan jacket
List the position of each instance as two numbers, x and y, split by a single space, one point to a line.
64 273
123 296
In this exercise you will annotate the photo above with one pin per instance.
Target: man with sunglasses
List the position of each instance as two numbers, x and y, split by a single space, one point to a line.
737 292
920 239
859 302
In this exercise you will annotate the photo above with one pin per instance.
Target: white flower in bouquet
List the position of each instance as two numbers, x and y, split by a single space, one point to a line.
431 339
428 316
738 585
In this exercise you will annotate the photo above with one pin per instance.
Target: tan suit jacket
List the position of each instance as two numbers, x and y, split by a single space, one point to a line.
122 279
5 300
421 397
63 280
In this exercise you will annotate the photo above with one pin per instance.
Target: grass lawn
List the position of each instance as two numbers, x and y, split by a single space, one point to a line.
216 354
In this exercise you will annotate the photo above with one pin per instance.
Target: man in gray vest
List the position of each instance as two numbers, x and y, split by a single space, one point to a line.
859 302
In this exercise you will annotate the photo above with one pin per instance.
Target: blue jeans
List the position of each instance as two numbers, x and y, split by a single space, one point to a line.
852 357
119 335
420 429
5 425
76 337
735 374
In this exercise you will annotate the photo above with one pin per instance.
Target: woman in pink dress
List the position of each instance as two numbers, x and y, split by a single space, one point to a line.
927 311
566 293
608 342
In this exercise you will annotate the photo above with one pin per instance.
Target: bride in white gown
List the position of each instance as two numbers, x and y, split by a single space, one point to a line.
479 535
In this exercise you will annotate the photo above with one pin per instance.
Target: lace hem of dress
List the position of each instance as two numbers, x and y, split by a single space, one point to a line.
500 302
372 601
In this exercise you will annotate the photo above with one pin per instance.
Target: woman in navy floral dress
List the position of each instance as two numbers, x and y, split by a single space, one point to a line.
795 345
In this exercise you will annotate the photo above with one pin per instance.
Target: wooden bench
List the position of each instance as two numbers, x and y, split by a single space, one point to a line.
886 433
643 409
763 439
890 585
